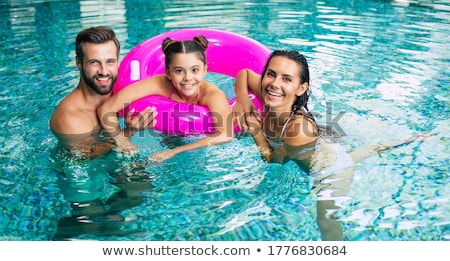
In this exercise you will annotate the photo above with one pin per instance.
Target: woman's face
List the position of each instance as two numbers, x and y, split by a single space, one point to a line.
187 73
281 83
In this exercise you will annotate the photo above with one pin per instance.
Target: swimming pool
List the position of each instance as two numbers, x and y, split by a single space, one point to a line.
382 64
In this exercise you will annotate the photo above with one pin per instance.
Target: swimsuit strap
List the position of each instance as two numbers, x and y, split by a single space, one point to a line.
171 91
280 139
284 126
198 96
303 109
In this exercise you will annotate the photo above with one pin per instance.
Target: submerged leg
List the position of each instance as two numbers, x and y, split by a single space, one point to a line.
132 185
362 153
99 218
71 227
328 220
331 192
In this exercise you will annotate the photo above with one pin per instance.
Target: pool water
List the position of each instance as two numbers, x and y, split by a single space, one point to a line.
381 66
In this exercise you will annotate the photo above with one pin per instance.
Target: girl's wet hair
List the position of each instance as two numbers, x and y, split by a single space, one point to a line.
197 45
97 35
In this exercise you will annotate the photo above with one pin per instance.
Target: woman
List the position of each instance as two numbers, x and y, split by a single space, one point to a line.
185 66
288 131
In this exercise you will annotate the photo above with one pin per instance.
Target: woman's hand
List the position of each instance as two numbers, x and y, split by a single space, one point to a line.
246 80
278 156
254 125
246 115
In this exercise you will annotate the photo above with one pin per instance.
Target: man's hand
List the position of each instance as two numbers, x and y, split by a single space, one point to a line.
145 119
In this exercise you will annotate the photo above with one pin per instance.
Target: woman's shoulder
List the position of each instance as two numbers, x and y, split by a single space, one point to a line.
300 130
301 119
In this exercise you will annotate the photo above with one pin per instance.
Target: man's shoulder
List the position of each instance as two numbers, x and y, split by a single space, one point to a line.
70 118
67 121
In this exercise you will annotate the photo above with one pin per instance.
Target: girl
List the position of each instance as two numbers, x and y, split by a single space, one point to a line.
183 82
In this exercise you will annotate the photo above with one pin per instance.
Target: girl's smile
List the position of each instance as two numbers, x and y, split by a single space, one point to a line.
186 73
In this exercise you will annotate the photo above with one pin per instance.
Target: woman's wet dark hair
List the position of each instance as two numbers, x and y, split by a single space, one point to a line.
98 35
197 45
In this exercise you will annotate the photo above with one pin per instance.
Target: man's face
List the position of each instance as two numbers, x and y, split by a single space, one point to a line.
100 66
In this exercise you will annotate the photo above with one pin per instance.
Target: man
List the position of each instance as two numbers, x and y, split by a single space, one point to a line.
85 183
75 121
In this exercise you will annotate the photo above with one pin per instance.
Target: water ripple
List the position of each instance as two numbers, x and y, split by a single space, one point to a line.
384 63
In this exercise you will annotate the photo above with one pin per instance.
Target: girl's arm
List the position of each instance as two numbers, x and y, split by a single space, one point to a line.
218 104
244 108
107 112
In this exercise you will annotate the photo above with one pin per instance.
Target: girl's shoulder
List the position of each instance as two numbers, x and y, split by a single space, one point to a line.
210 89
210 93
209 85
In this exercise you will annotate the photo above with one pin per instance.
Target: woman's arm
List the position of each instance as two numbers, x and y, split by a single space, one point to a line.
258 136
246 80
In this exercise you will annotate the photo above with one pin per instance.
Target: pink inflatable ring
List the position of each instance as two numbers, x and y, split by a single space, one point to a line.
227 54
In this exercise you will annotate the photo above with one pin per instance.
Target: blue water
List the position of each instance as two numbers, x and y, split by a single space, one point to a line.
383 64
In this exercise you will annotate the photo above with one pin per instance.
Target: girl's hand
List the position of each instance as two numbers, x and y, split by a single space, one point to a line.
161 155
124 146
145 119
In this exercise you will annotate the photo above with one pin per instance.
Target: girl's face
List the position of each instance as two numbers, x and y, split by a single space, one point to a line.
281 83
187 73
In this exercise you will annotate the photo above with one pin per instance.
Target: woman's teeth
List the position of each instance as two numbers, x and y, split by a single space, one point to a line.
275 94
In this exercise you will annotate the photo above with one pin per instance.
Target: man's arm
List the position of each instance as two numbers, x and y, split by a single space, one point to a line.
86 145
79 132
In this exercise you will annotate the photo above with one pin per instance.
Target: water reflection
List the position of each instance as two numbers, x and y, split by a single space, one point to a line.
98 191
363 56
